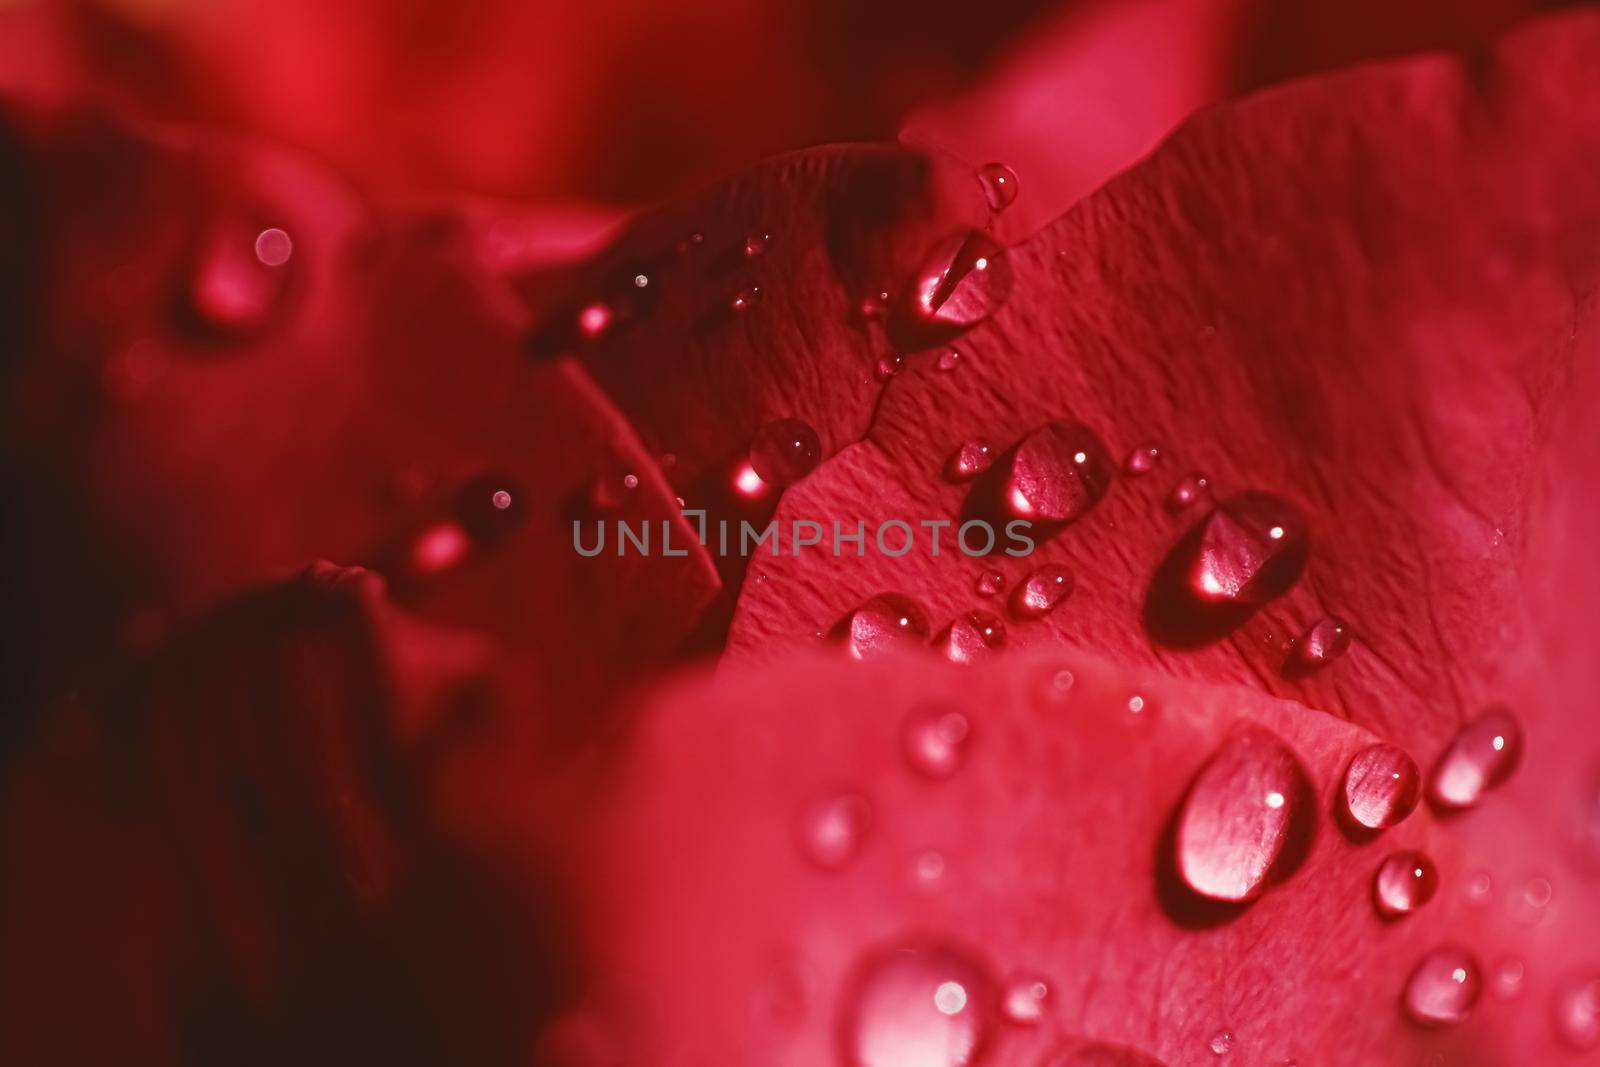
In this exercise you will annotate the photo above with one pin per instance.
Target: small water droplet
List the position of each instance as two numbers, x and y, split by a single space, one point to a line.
608 492
1221 1043
930 868
1239 814
630 481
594 319
990 582
1136 704
1042 591
746 298
1479 886
273 247
887 367
886 623
832 828
999 183
972 637
1508 979
920 1006
1056 474
934 740
1576 1012
784 451
501 500
1442 988
1054 687
236 286
1381 786
949 360
1403 883
964 279
487 510
1249 550
1482 756
1326 640
1187 492
756 244
968 461
1024 999
873 306
1141 460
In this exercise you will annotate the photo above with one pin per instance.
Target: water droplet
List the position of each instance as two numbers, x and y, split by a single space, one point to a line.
887 367
1054 687
1508 979
1056 474
1187 492
501 499
1042 591
999 183
756 244
972 637
1024 999
438 548
609 491
873 306
1327 640
923 1006
1249 550
1479 886
630 481
965 279
746 298
1482 755
930 868
273 247
934 740
832 828
1381 786
784 451
968 461
1142 460
594 319
1404 882
487 510
1442 988
1136 704
1577 1014
887 623
234 288
949 360
990 582
1238 815
1221 1043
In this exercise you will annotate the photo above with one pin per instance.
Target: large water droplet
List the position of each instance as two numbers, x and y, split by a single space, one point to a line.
1240 814
972 637
934 740
1482 755
1403 883
1024 999
239 277
1442 988
784 451
886 623
1042 591
1326 640
1576 1014
968 461
922 1006
832 828
1055 474
1381 786
999 183
1249 550
965 279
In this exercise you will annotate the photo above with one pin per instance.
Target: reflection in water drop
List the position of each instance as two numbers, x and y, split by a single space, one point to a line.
886 623
1024 999
1442 988
1481 756
784 451
1404 882
968 461
999 183
1055 474
1381 786
972 637
918 1006
934 740
1141 460
1327 640
1042 592
832 828
1576 1013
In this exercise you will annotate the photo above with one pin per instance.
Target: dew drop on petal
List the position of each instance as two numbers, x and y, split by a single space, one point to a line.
886 623
274 247
594 319
1055 474
1442 988
964 279
746 298
949 360
887 367
972 637
501 500
832 828
488 509
1054 687
934 740
784 451
1576 1014
1238 815
1024 999
1141 460
756 244
1249 550
873 306
1508 979
1403 883
233 289
929 869
920 1006
1481 756
1381 786
1042 591
999 183
1187 492
1326 640
1221 1043
990 582
968 461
